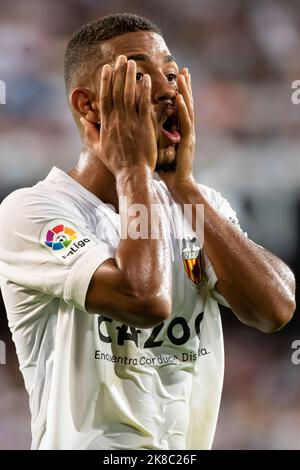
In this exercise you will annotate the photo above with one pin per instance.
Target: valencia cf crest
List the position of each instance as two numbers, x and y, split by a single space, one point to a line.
193 260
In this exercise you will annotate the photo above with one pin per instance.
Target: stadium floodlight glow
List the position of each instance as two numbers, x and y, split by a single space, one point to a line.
2 92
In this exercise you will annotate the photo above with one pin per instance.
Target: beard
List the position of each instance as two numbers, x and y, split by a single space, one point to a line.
166 161
166 167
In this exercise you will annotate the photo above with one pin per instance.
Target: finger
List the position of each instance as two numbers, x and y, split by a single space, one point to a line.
91 133
145 100
106 92
119 82
183 90
130 87
189 84
190 87
184 82
185 121
187 77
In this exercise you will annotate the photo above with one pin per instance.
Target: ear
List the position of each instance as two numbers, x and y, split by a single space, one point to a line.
84 104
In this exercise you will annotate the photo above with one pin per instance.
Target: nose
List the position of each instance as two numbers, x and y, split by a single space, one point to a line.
162 90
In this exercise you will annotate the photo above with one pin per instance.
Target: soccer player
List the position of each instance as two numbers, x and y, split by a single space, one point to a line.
119 336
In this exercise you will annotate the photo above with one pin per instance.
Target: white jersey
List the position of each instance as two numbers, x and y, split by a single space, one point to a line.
93 382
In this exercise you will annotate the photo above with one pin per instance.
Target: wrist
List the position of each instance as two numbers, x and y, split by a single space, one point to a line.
182 184
136 175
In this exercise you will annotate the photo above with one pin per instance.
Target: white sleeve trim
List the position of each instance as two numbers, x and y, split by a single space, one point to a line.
78 280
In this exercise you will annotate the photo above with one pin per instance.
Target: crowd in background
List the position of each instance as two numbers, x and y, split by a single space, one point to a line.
243 58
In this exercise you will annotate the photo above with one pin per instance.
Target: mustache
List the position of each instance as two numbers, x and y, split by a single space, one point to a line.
166 110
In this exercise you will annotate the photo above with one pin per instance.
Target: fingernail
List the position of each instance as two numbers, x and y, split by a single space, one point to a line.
121 60
105 68
82 120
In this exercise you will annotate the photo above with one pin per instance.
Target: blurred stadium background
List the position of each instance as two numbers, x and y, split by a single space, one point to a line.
243 57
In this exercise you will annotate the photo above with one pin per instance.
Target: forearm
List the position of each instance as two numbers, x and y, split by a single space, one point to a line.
144 260
257 285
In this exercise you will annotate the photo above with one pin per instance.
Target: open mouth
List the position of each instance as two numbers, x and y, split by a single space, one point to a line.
170 128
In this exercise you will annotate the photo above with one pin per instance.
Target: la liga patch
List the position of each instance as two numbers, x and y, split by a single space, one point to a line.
63 240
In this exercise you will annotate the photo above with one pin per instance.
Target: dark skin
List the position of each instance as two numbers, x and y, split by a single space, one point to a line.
120 160
84 101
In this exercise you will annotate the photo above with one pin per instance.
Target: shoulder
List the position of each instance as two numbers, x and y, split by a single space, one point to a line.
25 198
14 205
220 204
41 200
214 197
14 219
26 211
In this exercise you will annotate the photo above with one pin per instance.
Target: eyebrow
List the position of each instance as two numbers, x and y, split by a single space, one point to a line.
146 58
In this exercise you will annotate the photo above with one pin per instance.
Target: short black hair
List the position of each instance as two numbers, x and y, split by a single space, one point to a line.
81 47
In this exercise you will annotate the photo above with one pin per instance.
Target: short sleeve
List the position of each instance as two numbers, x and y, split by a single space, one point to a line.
224 208
49 247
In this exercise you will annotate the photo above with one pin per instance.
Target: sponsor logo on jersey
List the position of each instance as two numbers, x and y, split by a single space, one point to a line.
193 261
179 333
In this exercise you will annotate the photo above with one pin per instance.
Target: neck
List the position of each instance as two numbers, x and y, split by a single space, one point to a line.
91 173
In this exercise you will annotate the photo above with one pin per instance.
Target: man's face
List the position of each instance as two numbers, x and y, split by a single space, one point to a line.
152 57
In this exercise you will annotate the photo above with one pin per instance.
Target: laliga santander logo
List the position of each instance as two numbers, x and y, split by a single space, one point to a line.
63 240
60 237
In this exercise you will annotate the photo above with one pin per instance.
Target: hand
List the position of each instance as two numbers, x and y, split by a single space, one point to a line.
186 147
126 139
